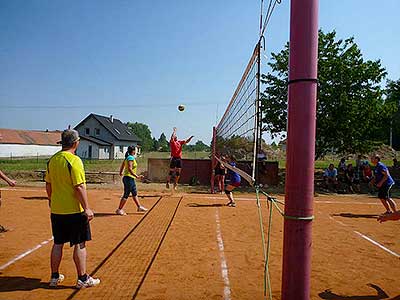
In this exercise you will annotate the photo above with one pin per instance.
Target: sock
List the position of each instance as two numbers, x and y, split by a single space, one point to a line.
55 275
83 278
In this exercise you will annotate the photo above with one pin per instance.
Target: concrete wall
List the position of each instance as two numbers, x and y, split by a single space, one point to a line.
201 168
17 150
158 169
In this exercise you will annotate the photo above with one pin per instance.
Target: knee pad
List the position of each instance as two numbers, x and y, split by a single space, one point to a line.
171 173
177 173
227 192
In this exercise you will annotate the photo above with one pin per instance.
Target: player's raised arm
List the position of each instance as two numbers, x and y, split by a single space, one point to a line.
187 141
173 135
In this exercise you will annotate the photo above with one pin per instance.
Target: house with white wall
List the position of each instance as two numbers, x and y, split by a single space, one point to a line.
104 138
28 143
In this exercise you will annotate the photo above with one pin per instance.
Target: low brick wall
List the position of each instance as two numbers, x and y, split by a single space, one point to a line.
201 168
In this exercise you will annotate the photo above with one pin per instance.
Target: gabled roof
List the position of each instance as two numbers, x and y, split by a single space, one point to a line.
29 137
118 129
95 140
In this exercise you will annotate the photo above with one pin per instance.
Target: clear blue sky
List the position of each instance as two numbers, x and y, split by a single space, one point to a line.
137 60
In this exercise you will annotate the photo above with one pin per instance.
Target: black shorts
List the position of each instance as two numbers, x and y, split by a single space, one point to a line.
175 162
384 191
73 228
219 171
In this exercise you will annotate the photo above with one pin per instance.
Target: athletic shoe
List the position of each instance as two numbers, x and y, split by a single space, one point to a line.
90 282
55 281
142 209
120 212
231 204
167 185
175 186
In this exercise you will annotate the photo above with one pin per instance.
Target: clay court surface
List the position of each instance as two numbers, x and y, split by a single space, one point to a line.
177 250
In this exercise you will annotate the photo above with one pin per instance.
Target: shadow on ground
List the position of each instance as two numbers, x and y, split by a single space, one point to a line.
351 215
205 205
113 214
35 198
20 283
380 294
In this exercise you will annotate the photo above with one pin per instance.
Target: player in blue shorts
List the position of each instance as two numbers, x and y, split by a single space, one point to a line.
384 182
234 181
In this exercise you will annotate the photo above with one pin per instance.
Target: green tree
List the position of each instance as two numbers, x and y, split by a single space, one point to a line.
155 144
162 143
350 106
198 146
393 99
143 132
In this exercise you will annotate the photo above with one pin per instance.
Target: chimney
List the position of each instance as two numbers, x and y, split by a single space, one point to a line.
111 118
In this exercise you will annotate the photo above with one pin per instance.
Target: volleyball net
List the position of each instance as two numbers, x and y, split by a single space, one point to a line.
238 132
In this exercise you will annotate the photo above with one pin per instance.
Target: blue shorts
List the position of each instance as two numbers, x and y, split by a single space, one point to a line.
129 187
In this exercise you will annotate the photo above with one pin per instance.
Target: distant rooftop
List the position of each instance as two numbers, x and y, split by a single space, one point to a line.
29 137
117 128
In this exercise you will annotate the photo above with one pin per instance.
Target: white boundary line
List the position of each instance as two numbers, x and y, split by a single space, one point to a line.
334 202
224 198
315 201
15 259
377 244
340 222
224 265
368 239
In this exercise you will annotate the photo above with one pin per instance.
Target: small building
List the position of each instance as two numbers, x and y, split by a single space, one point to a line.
28 143
104 138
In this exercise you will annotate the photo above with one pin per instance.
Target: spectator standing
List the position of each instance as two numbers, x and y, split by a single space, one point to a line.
70 211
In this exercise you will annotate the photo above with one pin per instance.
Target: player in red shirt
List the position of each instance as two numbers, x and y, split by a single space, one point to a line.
175 165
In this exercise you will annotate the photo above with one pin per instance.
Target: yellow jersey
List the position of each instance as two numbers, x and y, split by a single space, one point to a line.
64 172
126 167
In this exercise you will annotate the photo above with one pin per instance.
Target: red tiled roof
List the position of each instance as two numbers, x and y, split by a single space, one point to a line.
29 137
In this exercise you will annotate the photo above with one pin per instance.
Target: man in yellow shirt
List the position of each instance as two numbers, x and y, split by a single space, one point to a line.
70 212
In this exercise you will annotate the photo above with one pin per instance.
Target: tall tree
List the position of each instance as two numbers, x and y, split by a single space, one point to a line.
143 132
162 143
393 99
350 106
198 146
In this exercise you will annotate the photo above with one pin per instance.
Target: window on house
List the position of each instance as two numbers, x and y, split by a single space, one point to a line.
97 131
121 148
87 131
